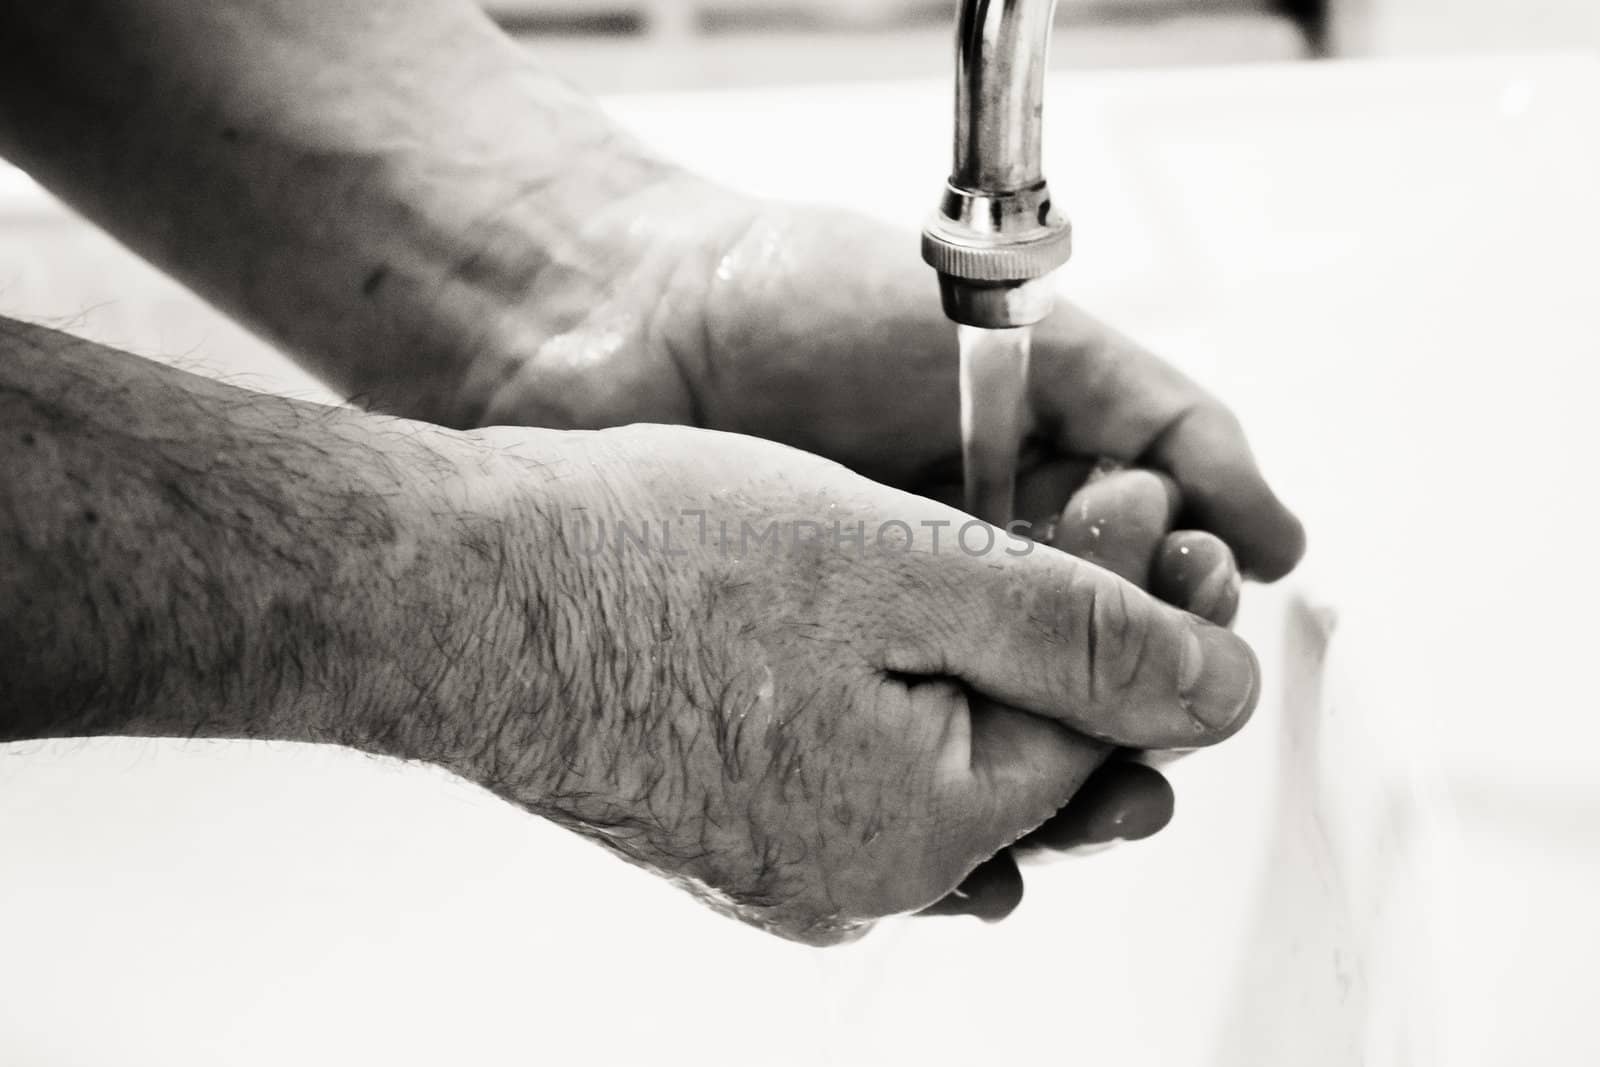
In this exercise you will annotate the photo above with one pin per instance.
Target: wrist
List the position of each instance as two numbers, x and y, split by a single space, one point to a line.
460 672
610 328
451 225
490 232
374 187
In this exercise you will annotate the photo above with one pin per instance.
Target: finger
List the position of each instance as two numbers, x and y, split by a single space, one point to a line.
1102 394
1196 572
1044 489
1118 522
1122 801
990 893
1027 767
1225 493
1064 639
1005 774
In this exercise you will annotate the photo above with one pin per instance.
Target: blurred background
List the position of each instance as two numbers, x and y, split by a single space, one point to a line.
629 45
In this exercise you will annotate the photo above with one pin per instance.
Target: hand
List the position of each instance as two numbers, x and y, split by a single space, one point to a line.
785 726
1121 521
821 329
818 328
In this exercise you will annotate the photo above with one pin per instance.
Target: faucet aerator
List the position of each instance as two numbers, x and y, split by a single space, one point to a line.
997 237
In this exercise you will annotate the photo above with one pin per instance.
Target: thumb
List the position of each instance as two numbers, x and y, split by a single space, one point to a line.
1063 639
1006 773
1029 767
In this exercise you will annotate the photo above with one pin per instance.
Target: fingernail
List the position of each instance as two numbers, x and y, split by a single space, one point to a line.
1217 599
1217 680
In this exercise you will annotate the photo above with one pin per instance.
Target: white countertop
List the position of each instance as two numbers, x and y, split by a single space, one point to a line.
1388 269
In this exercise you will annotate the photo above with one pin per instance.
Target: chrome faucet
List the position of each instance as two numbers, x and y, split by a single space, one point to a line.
997 237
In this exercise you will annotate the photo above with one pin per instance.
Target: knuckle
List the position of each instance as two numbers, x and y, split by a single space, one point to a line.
1115 638
966 830
929 855
940 868
1229 422
826 936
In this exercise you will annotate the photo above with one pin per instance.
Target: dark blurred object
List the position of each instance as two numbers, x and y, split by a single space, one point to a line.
626 17
622 45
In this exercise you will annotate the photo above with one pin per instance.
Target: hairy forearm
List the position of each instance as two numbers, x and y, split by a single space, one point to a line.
373 186
179 557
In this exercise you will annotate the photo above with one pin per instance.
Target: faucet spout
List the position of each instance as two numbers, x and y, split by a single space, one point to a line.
997 236
1001 56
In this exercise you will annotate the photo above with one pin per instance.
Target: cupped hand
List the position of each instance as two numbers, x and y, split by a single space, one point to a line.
822 329
1122 521
819 328
762 676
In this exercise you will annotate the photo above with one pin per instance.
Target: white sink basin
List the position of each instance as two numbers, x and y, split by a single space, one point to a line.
1387 269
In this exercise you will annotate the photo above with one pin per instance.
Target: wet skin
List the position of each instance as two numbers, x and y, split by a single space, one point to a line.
1120 520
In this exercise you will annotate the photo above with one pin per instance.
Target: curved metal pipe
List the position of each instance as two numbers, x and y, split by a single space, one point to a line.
1002 53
